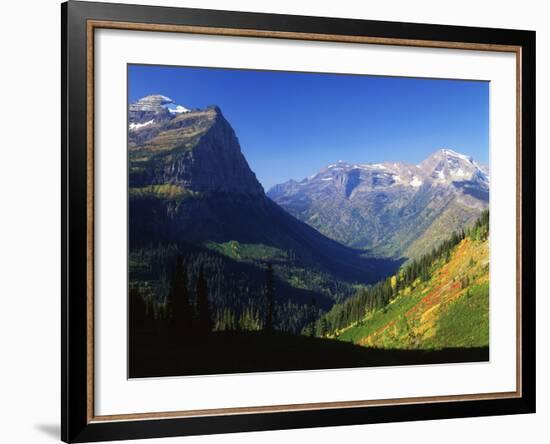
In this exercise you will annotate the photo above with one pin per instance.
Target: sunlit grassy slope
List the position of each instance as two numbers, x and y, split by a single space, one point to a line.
451 309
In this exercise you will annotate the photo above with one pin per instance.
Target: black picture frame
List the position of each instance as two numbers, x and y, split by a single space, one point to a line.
76 423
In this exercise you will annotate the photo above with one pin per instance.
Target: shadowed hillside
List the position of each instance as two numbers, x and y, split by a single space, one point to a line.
244 352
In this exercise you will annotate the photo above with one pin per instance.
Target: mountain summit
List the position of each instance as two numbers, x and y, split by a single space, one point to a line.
391 208
156 103
152 108
446 165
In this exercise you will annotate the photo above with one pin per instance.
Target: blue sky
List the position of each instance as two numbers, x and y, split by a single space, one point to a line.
291 124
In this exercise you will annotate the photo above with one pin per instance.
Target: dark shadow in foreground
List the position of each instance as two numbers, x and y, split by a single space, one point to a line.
223 353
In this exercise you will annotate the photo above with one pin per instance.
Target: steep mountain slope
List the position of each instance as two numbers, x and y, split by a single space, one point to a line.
193 193
189 181
445 307
194 151
392 209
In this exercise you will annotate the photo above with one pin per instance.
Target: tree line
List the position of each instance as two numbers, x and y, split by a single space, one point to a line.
179 313
207 293
186 316
236 290
378 296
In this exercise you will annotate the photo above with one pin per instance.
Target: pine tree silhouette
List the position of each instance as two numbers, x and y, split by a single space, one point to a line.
205 323
324 327
139 322
312 316
270 298
180 309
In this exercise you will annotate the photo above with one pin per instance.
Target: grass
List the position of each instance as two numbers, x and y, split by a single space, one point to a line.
436 314
184 132
164 191
466 321
380 318
240 251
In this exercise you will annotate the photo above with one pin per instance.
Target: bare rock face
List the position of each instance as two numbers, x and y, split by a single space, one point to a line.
215 164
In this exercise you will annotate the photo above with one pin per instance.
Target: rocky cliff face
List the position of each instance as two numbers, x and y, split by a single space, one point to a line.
195 150
216 163
395 209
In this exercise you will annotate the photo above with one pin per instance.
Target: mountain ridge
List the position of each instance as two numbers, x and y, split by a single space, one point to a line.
389 208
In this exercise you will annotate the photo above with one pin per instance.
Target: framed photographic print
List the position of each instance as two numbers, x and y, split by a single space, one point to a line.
276 221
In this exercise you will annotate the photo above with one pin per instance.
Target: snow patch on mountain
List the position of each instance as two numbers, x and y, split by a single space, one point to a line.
444 167
459 155
459 173
136 126
177 109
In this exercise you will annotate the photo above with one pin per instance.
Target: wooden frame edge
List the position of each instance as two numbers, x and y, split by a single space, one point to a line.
336 38
519 222
286 408
90 208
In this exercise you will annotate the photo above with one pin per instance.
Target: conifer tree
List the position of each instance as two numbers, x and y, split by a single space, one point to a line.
270 298
324 327
139 321
179 299
205 323
312 316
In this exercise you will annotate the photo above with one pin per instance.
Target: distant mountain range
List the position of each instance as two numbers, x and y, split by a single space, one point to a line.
391 208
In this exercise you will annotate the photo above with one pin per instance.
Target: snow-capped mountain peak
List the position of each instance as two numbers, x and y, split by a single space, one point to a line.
155 103
451 153
154 107
446 165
